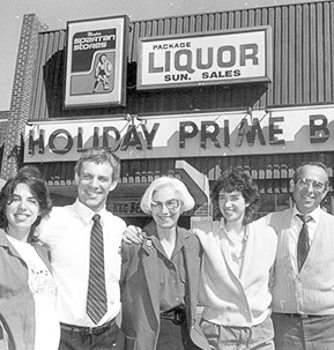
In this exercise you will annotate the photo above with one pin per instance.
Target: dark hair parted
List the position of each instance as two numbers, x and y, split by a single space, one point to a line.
236 180
30 176
100 155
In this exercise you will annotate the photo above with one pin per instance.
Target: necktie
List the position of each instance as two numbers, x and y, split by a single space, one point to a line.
303 245
97 297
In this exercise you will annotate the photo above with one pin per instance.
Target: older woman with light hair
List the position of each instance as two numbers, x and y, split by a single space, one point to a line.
159 283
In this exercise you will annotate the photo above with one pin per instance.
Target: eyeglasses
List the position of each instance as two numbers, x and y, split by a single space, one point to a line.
172 204
316 185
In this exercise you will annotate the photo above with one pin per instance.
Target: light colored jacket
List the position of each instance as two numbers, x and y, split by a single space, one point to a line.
231 300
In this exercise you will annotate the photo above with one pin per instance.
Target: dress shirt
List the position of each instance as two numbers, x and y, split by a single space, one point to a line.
236 247
172 274
67 235
296 226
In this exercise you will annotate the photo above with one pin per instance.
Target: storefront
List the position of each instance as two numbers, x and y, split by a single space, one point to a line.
250 88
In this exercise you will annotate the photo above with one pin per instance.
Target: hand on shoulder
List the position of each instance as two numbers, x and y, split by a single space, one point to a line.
132 235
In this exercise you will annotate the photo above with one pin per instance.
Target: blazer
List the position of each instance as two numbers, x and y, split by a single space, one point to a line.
140 291
17 306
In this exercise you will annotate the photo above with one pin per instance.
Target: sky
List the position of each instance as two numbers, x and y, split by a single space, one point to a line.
56 13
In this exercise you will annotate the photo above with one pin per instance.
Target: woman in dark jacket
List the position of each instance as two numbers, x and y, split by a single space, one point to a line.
159 284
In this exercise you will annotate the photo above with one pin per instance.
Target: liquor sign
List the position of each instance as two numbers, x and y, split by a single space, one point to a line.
96 62
238 56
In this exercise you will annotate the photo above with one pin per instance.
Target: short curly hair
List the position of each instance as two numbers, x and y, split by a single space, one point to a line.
236 180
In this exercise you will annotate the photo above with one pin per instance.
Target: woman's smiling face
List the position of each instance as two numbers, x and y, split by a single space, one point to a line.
166 207
22 211
232 205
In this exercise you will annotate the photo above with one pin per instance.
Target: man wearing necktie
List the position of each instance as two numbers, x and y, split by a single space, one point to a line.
84 241
303 296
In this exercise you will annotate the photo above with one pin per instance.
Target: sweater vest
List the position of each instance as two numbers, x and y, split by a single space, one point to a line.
311 291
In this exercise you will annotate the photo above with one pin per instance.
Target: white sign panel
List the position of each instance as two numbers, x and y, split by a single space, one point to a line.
180 136
219 57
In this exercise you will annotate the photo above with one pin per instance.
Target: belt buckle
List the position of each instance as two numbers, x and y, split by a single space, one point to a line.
93 331
303 316
86 331
179 317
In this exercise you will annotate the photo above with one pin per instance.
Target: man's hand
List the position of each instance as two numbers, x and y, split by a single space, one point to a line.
132 235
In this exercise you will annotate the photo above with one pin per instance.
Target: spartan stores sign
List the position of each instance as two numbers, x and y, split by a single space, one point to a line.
209 58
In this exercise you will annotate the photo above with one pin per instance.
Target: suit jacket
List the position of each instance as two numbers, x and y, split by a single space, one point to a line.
140 291
17 306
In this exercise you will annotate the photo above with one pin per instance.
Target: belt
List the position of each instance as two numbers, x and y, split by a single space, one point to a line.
88 330
302 315
177 315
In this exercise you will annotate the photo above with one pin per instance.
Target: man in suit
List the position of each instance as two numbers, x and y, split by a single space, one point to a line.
303 295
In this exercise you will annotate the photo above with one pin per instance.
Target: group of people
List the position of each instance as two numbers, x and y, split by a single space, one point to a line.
76 277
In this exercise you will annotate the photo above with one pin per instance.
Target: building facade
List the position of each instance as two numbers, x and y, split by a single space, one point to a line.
264 126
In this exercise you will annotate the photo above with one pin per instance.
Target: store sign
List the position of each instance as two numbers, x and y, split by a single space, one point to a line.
96 62
237 56
126 208
193 135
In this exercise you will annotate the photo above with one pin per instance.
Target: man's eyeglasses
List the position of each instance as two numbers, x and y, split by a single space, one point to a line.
172 204
316 185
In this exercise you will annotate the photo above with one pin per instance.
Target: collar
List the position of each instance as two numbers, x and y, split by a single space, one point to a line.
222 224
87 213
222 227
315 214
3 238
151 230
150 236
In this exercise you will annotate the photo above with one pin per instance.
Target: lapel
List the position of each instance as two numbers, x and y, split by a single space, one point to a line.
284 236
319 243
44 255
4 242
192 261
150 264
249 252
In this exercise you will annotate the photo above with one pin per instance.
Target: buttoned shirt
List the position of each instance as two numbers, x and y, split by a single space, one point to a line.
67 235
172 274
296 226
235 247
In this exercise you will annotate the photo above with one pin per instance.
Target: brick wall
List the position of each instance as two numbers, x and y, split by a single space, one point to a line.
21 95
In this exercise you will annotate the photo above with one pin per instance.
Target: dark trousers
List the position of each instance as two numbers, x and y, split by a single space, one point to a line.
295 333
70 340
173 337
